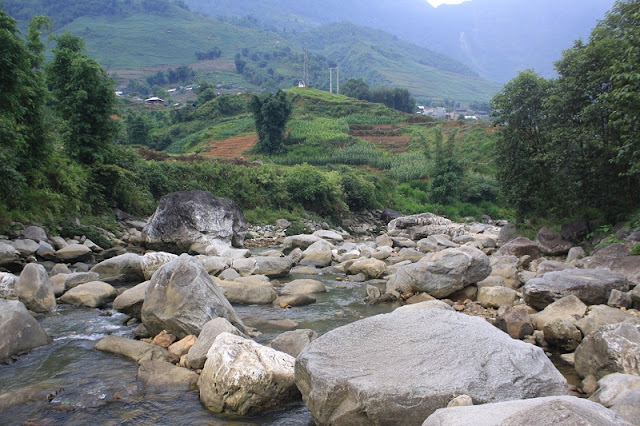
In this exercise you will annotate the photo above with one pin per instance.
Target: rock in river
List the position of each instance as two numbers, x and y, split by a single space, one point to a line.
407 364
19 331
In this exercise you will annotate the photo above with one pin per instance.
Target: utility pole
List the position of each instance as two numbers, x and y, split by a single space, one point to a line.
337 70
330 80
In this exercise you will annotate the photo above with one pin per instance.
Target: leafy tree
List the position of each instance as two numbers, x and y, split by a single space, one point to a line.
240 64
355 88
138 129
24 144
86 100
447 173
271 114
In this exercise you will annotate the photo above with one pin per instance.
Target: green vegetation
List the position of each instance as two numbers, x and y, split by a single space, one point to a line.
397 98
570 146
270 114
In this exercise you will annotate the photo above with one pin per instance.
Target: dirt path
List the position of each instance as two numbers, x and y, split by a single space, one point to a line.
230 148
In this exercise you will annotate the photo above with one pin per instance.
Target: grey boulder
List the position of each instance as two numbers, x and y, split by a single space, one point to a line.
620 393
197 355
188 217
35 290
126 268
182 297
592 286
293 342
131 300
19 331
407 364
95 294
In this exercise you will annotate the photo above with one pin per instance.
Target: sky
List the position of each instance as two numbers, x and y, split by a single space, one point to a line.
436 3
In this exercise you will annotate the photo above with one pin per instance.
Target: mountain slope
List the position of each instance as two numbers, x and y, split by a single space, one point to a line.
496 37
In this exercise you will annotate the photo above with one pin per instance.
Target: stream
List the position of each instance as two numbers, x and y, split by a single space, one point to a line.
101 388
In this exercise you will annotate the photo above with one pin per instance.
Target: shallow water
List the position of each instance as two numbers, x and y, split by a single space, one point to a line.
101 388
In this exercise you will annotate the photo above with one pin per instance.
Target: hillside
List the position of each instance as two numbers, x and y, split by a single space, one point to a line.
134 42
495 37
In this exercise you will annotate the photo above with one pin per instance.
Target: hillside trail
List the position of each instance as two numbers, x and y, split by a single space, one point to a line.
230 148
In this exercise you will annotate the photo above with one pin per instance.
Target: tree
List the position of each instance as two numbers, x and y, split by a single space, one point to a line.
447 173
24 141
355 88
523 144
86 100
271 114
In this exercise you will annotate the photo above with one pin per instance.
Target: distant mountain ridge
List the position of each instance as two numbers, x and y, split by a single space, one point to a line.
495 37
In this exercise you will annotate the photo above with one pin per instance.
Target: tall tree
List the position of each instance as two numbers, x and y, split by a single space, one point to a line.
86 100
271 114
447 172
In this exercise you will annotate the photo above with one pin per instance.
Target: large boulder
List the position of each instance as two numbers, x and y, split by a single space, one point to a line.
518 247
133 349
95 294
422 225
74 253
551 243
610 349
616 258
8 254
152 261
317 254
302 241
621 393
552 410
26 248
293 342
35 290
249 292
568 308
603 315
371 268
592 286
273 267
19 331
188 217
407 364
443 273
303 286
162 375
34 233
130 301
126 268
242 377
182 297
197 355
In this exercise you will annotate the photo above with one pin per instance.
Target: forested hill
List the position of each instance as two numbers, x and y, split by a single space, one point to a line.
495 37
126 35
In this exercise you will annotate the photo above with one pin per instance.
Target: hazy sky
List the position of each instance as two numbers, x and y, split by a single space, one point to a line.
436 3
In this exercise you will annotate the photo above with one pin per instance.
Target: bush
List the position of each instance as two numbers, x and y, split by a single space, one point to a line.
635 250
297 228
317 191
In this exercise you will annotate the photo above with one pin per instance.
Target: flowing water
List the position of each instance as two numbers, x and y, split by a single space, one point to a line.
100 388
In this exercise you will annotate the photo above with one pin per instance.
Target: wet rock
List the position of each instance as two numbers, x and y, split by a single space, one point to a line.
551 243
620 393
515 321
318 254
19 331
94 294
561 410
293 342
22 396
592 286
293 300
562 334
35 290
518 247
610 349
198 353
371 268
8 286
251 292
126 268
131 300
568 308
187 217
443 273
244 378
150 262
162 375
182 297
133 349
74 253
603 315
494 297
303 286
351 374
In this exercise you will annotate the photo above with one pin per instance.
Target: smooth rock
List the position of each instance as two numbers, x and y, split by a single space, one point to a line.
494 297
318 254
26 248
273 267
405 365
182 297
187 217
568 308
248 293
34 233
298 241
329 236
519 247
603 315
303 286
553 410
35 290
616 258
162 375
592 286
94 294
244 378
371 268
46 251
293 300
198 353
213 264
130 301
126 268
610 349
551 243
183 346
164 339
293 342
74 253
151 261
620 393
19 331
133 349
443 273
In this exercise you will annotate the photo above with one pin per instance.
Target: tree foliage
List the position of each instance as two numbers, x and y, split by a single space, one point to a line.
85 100
271 114
396 98
447 173
572 143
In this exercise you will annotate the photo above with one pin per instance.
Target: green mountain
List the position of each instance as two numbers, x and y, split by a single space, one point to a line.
126 35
